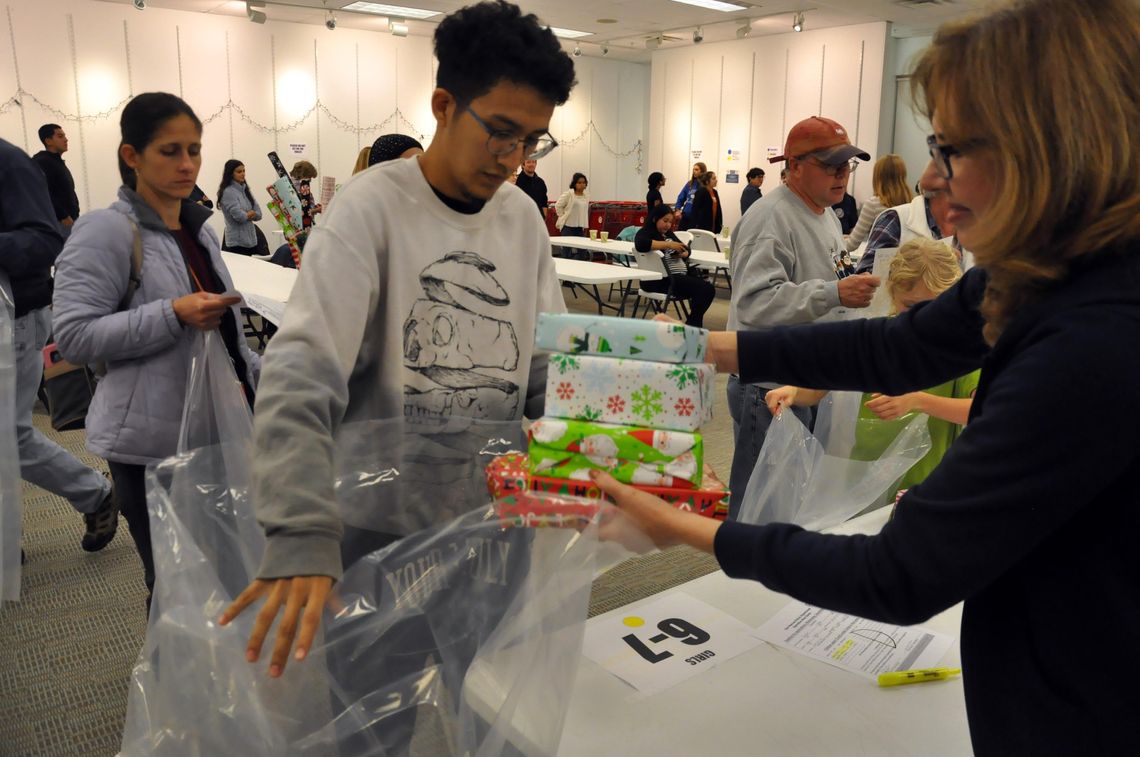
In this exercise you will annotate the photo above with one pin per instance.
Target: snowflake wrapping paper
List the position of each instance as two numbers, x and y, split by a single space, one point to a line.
632 338
563 448
510 474
676 396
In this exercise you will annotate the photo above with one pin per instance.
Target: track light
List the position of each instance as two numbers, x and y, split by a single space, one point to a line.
255 11
698 38
605 50
140 5
330 21
745 30
653 42
398 28
577 50
798 22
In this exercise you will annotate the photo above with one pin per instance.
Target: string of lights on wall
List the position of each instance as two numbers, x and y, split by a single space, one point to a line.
397 119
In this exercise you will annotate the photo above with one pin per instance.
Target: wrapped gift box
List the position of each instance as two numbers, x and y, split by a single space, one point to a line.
507 475
633 338
536 509
563 448
676 396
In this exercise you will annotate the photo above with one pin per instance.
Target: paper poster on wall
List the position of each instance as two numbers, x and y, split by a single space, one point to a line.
297 148
697 154
732 177
734 156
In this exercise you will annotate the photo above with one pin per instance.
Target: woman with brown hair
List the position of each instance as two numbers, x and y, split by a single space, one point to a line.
707 213
1031 517
890 187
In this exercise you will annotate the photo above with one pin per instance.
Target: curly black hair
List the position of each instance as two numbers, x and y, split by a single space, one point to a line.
480 45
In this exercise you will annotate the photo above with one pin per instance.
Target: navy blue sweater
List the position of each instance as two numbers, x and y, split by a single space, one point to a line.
30 239
1031 518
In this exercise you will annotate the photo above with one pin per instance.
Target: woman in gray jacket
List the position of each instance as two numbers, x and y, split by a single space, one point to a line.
142 321
239 209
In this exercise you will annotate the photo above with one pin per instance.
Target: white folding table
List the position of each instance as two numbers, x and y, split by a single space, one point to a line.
588 276
767 701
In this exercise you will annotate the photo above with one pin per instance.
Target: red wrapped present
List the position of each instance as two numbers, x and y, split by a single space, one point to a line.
531 509
508 475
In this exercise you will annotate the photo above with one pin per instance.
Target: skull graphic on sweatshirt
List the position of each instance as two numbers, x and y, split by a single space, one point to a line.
456 349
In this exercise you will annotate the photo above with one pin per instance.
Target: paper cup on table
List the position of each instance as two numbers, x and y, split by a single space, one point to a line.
593 233
605 236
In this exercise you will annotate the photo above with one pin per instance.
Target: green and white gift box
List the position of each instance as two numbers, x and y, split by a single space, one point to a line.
676 396
632 338
569 449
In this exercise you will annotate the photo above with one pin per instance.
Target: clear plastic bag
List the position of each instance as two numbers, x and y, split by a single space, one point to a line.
461 639
11 511
812 481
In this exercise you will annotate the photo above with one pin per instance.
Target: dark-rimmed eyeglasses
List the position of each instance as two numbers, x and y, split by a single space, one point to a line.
500 142
842 169
941 154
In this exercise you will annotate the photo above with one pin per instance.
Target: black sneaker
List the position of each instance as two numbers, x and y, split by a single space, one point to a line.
101 524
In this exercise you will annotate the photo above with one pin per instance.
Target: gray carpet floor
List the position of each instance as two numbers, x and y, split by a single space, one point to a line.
67 648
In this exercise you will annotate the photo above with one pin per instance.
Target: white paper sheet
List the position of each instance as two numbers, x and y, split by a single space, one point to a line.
328 188
855 644
271 310
658 644
881 303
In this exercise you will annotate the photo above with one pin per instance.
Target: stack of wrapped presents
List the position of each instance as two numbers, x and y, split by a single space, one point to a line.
623 395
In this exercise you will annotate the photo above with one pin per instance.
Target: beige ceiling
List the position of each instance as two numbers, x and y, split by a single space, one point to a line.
635 21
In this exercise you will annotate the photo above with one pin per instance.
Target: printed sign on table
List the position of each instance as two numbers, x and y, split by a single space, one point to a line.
658 644
858 645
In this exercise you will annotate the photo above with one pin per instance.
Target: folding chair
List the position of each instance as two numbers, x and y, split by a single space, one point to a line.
659 301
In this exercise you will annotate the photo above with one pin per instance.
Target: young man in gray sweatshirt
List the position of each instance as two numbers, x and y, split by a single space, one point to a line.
789 266
416 307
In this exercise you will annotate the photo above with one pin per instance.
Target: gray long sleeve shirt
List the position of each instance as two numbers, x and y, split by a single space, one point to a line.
783 263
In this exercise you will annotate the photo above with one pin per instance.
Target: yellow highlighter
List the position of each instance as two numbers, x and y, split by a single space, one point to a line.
899 677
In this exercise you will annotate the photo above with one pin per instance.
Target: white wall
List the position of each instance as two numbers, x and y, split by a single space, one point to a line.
745 94
273 75
908 129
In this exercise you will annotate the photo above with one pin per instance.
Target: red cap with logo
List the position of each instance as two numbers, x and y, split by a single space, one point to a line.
823 139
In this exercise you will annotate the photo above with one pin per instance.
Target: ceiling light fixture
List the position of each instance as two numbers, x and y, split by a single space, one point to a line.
255 11
714 5
605 50
745 30
398 11
568 33
798 22
398 27
140 5
577 50
698 38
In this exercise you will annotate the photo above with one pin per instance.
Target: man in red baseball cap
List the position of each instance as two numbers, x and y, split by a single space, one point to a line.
789 265
821 138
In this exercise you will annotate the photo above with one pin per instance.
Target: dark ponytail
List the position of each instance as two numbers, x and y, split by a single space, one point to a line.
141 120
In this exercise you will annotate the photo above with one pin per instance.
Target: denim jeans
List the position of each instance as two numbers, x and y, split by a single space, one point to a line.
42 461
750 421
573 252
